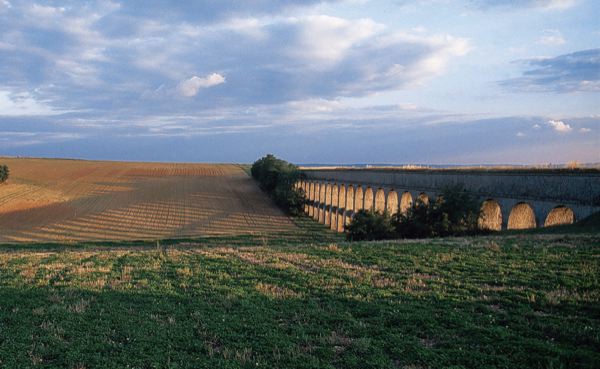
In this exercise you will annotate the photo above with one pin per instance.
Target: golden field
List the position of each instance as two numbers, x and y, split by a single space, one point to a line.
52 200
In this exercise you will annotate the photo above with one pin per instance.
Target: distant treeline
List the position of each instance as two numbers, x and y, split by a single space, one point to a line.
278 178
4 172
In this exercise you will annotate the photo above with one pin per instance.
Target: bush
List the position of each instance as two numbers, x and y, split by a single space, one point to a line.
278 178
4 172
454 213
368 225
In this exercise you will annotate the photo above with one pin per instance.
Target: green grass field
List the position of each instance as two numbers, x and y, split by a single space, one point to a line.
517 301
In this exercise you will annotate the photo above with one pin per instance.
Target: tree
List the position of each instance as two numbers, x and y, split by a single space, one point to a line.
454 213
278 178
368 225
4 173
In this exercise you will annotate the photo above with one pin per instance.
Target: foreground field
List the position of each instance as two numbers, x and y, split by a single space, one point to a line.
70 200
499 302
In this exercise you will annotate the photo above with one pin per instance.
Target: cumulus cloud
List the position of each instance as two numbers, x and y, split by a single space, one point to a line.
191 86
560 126
584 130
123 56
579 71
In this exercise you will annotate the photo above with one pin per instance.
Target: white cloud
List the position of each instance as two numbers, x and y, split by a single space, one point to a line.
5 4
23 104
560 126
552 38
191 86
584 130
536 126
326 39
555 4
520 134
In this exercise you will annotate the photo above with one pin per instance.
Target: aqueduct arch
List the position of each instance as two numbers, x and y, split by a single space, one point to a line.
392 202
313 200
327 208
341 221
350 198
380 200
321 213
368 199
359 199
521 217
423 198
335 191
405 202
490 216
342 197
560 215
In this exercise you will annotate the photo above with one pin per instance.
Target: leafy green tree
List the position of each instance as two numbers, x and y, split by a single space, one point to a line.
4 173
368 225
454 213
278 178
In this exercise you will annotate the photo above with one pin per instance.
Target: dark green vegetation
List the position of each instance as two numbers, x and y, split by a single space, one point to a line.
455 213
368 225
278 178
4 172
489 302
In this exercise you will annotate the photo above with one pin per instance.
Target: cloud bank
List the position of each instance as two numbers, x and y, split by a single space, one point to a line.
579 71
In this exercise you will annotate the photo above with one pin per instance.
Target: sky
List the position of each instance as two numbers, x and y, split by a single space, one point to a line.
338 82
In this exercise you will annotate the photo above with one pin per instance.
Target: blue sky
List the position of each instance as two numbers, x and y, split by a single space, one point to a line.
355 81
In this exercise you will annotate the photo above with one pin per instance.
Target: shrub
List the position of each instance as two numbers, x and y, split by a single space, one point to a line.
368 225
277 177
454 213
4 172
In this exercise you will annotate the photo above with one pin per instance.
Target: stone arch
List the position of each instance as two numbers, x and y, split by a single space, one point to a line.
327 205
521 217
350 198
560 215
359 198
322 193
490 216
321 205
380 200
341 221
368 199
335 193
423 198
311 199
305 187
405 202
342 197
392 202
333 219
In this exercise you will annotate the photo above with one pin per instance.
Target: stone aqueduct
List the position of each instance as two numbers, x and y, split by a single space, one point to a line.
510 199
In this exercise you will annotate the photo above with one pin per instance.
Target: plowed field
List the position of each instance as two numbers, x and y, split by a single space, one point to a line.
69 200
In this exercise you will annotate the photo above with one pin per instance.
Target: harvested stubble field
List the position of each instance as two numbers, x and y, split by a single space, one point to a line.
525 301
69 200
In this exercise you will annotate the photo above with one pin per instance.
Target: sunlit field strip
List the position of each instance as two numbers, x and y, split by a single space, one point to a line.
94 201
